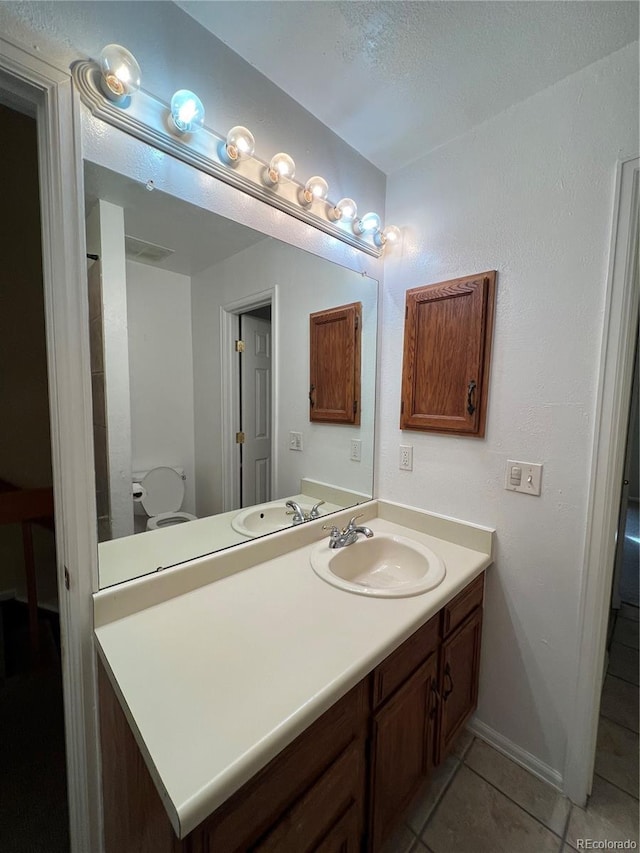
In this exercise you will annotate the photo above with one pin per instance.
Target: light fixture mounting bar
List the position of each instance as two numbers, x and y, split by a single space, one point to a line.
145 118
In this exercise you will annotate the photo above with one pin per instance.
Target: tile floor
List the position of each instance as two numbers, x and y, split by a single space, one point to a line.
479 801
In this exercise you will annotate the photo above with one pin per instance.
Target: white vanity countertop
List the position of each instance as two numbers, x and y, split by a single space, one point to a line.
216 681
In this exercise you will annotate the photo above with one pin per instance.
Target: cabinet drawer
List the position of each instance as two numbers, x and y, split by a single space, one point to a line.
395 669
249 813
457 610
312 817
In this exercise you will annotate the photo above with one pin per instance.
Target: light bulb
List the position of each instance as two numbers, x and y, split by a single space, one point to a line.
369 223
390 235
120 72
187 111
281 168
344 211
316 188
240 143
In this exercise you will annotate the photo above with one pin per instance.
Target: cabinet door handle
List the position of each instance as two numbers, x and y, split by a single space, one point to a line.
311 400
471 393
448 690
434 703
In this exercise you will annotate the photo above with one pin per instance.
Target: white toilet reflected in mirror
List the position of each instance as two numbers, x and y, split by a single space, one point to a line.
160 492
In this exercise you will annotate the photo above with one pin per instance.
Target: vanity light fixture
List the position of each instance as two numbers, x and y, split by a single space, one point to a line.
187 112
119 73
171 128
316 189
345 210
239 145
281 168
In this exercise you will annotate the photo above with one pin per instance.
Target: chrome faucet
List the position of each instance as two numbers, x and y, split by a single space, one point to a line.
348 535
296 511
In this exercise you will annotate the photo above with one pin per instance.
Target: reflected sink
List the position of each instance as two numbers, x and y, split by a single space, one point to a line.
265 518
385 566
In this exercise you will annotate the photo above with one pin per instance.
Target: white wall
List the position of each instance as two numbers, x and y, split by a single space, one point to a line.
161 372
305 283
529 194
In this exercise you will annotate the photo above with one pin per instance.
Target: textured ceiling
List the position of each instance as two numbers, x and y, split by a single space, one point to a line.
397 79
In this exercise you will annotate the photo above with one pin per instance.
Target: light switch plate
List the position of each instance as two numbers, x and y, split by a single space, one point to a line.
529 473
295 441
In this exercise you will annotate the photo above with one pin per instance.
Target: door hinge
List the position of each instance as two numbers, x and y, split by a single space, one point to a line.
239 346
355 407
67 579
239 438
357 322
406 312
402 407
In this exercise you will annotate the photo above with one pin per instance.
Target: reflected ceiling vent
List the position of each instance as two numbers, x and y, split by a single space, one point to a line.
145 253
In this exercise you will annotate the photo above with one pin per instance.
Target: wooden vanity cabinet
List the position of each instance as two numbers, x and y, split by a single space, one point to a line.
344 783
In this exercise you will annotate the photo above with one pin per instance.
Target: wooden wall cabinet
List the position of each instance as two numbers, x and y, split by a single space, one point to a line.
334 365
447 355
344 783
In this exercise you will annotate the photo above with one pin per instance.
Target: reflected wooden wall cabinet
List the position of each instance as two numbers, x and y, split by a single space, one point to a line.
334 369
447 355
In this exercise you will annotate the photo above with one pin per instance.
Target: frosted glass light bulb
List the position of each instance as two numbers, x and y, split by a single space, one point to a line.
315 188
120 72
390 235
369 223
240 143
187 111
281 168
345 210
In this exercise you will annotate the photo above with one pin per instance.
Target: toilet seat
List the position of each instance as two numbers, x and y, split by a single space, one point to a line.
169 519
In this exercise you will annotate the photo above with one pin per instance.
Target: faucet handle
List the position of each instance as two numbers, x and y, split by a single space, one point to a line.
313 512
354 519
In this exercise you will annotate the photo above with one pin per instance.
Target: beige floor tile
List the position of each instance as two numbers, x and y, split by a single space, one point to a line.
427 798
611 815
623 662
626 632
462 744
474 817
539 799
401 841
617 755
629 611
620 702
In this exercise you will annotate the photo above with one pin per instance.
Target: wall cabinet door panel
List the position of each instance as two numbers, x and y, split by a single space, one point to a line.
447 349
334 370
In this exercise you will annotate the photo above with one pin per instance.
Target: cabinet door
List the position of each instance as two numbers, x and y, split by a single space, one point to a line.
459 670
447 347
345 836
334 369
402 749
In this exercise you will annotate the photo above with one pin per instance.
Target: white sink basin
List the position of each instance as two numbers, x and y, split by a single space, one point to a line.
384 566
265 518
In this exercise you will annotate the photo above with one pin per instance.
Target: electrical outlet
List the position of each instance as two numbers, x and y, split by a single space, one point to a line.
406 457
356 450
295 441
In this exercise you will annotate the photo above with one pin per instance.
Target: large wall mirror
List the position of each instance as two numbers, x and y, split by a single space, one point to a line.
201 441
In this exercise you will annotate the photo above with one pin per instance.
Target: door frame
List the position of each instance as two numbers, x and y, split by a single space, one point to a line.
611 421
230 390
48 91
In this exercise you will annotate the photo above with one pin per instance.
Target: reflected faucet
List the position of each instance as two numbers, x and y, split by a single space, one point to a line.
299 515
348 535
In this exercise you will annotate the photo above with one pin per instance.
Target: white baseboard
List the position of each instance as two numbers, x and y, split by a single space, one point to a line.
516 753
